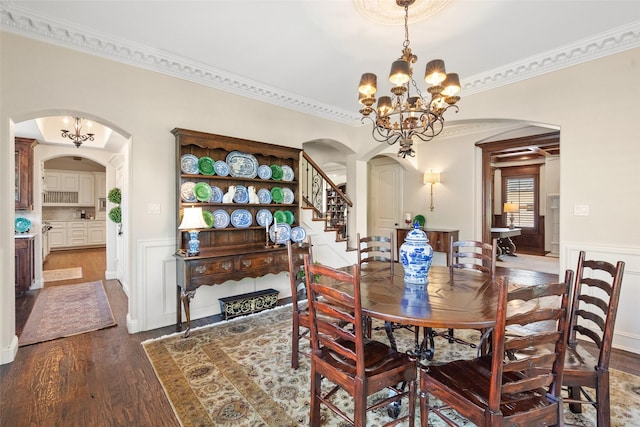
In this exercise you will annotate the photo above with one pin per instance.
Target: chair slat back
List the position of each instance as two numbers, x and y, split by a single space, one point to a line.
535 366
473 255
296 253
595 304
376 249
336 316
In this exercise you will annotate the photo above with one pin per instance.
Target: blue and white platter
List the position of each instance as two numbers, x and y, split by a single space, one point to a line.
284 233
288 195
242 165
220 218
216 195
241 218
241 195
264 196
189 164
264 217
287 173
298 234
221 168
186 192
264 172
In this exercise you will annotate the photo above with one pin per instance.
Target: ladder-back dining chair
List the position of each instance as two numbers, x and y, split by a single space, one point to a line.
375 254
300 308
342 355
593 316
492 390
470 255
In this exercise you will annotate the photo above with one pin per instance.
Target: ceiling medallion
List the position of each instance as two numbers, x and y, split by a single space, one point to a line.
408 113
387 12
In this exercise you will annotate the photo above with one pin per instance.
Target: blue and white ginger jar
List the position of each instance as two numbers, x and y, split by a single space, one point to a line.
416 255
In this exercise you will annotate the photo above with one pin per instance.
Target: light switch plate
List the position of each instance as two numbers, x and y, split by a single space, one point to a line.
581 210
153 208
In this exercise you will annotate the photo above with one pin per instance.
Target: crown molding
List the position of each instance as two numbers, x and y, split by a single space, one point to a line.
18 21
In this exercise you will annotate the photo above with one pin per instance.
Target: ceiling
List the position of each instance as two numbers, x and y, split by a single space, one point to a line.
308 55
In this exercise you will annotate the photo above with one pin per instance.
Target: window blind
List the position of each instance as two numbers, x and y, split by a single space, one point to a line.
521 191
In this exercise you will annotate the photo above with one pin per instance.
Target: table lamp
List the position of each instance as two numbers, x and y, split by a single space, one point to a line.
192 221
511 208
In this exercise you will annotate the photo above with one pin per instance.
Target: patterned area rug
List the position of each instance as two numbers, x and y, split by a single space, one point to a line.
238 373
63 311
62 274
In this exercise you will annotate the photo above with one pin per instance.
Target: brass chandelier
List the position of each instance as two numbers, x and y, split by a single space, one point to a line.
76 136
400 117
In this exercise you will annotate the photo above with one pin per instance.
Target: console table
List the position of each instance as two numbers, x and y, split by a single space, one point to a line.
439 238
505 244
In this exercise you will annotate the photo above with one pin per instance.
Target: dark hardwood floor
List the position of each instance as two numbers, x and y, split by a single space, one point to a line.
104 378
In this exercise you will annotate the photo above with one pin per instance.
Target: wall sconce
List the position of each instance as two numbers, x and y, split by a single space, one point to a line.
192 221
431 178
510 208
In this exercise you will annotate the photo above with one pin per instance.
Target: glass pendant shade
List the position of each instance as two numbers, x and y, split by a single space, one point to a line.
400 72
435 72
368 84
451 85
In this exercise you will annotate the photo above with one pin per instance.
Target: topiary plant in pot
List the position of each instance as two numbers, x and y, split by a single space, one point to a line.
115 214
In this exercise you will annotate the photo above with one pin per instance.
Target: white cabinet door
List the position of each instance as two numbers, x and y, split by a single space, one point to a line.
85 192
58 234
96 233
61 181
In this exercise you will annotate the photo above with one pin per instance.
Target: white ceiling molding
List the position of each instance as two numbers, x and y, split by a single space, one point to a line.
15 20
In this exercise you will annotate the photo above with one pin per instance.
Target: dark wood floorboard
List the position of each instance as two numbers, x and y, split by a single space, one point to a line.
104 378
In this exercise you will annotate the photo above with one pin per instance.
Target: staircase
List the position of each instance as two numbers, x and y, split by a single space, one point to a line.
325 200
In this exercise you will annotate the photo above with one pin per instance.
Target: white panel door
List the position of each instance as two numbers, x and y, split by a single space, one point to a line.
385 196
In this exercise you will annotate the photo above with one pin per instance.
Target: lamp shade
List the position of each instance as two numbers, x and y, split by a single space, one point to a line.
431 178
435 72
400 72
368 84
451 85
510 207
192 219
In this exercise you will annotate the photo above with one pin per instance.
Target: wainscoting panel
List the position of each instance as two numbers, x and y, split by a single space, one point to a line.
627 329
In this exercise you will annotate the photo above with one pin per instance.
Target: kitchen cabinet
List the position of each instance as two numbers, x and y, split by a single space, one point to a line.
24 173
69 188
77 233
96 233
58 234
25 258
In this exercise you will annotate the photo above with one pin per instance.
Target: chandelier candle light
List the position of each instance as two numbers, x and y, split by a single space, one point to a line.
400 117
76 136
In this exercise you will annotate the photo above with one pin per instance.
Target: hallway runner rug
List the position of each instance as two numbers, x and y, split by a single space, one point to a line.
238 373
63 311
62 274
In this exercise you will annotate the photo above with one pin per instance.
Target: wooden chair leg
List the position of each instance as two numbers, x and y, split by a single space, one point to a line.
295 342
574 393
314 404
424 409
602 397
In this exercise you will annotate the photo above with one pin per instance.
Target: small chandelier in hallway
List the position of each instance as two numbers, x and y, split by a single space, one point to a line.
400 117
76 136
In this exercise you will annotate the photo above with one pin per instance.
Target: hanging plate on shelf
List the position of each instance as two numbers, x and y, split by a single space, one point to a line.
220 218
287 173
189 164
186 192
203 192
205 165
242 165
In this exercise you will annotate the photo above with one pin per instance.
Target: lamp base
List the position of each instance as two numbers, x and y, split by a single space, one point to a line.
194 243
511 226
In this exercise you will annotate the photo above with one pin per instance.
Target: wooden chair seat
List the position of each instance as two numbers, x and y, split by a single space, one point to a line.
470 381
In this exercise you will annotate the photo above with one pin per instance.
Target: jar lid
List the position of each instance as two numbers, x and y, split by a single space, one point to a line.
416 235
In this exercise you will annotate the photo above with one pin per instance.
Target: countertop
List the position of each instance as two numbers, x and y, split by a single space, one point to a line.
27 235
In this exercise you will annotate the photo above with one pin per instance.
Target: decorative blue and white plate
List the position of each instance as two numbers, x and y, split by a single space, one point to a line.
242 165
242 195
288 195
284 233
216 195
186 192
264 217
264 172
287 173
220 218
241 218
189 164
264 195
221 168
298 234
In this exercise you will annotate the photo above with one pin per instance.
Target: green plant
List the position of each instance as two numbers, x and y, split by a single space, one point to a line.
115 215
115 195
